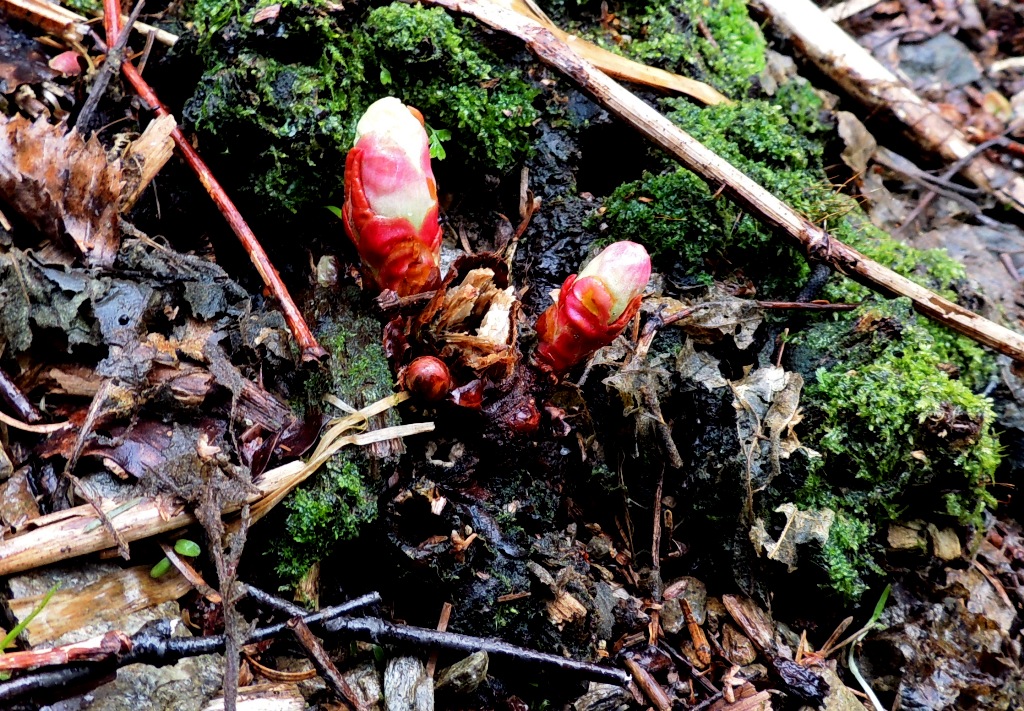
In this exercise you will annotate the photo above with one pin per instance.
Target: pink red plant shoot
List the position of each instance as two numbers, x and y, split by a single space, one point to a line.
593 307
391 211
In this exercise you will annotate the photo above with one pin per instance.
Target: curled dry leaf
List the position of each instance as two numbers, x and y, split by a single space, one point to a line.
718 315
62 184
801 527
470 322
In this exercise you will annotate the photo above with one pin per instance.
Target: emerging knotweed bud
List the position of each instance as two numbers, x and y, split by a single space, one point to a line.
593 307
390 210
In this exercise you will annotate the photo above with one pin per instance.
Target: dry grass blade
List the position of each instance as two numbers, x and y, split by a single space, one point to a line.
62 184
615 64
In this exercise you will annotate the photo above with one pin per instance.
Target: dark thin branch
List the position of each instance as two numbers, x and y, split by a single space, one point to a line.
16 400
154 645
381 632
111 66
276 603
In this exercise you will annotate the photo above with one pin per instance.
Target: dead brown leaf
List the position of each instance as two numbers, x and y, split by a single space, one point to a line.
62 184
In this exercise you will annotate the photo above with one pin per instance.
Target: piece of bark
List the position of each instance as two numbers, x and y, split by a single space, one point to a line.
144 158
94 649
264 697
122 593
407 686
73 532
49 17
723 177
851 66
62 22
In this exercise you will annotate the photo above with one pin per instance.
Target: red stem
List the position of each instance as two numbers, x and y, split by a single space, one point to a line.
311 350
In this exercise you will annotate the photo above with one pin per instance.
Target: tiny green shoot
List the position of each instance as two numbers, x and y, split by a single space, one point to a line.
436 137
160 568
23 624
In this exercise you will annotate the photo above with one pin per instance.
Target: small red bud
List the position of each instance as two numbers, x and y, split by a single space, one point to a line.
428 378
592 308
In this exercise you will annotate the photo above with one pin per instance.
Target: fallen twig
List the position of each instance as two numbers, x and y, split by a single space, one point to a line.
34 429
322 662
838 55
115 55
311 350
720 175
191 575
649 685
376 630
12 395
442 626
155 646
96 648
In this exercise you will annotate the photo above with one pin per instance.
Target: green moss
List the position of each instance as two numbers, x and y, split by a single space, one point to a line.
332 509
85 7
897 434
342 496
714 41
877 397
687 227
291 90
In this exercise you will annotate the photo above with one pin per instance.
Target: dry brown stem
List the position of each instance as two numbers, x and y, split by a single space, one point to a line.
863 77
720 175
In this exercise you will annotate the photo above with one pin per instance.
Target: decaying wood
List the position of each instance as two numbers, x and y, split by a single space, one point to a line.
96 648
73 532
615 64
123 592
839 56
322 661
144 158
722 176
47 16
649 685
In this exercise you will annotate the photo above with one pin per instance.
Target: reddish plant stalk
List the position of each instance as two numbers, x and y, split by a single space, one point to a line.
311 350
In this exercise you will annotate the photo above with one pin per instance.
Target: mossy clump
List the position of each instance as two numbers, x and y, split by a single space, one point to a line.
333 508
878 405
291 88
341 498
899 434
714 41
689 229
